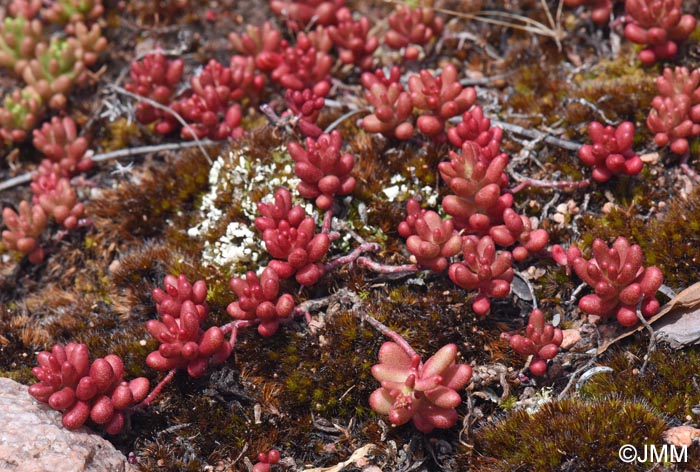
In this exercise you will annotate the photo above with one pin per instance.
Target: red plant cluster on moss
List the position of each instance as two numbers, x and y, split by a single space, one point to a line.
393 109
439 98
155 77
675 116
475 127
266 460
300 13
183 344
352 39
478 201
57 197
428 237
303 65
658 25
212 109
59 142
482 217
259 300
261 43
618 277
291 239
435 98
306 106
411 27
84 391
483 269
53 194
611 152
425 393
519 229
323 170
541 341
24 229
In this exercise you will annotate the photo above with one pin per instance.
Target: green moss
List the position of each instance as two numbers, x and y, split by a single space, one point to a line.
572 434
22 375
669 382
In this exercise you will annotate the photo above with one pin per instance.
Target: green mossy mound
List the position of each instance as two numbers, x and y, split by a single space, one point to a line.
571 434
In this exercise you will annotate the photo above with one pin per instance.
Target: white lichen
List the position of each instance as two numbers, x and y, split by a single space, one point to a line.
239 177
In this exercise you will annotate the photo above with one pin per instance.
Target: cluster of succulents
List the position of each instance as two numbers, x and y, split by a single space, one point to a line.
675 114
50 66
85 391
323 171
425 393
291 239
481 213
659 26
477 243
611 152
429 238
541 341
621 283
302 69
53 194
183 344
155 77
437 98
259 300
411 27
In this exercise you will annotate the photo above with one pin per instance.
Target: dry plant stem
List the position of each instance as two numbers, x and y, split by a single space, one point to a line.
687 169
502 18
157 389
527 182
534 134
169 110
305 308
344 117
391 334
386 269
575 376
26 178
652 340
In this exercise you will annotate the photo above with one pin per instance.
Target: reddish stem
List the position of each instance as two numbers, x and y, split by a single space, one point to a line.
327 219
233 327
391 334
352 257
157 389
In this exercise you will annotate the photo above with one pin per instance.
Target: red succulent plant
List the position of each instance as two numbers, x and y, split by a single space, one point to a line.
426 393
541 341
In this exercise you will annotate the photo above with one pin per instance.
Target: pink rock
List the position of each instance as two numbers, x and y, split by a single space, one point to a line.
32 439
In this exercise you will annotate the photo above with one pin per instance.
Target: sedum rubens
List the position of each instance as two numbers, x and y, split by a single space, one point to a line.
423 392
619 279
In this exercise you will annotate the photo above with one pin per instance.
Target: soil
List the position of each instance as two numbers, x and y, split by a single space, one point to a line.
304 391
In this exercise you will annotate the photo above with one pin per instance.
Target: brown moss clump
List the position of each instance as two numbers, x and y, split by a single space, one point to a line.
571 434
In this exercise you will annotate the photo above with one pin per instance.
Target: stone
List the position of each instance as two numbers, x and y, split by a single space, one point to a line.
32 439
